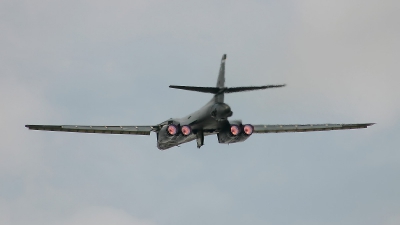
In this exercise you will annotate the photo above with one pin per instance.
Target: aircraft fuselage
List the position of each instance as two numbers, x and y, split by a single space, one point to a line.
210 119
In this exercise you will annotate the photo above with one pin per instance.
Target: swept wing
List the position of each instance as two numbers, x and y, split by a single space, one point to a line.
307 127
135 130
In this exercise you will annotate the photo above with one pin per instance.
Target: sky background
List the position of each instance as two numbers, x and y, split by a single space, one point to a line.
110 63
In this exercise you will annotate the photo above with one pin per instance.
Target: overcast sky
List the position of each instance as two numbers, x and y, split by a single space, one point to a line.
110 63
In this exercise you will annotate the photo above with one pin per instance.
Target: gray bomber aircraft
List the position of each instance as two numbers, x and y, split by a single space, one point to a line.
212 118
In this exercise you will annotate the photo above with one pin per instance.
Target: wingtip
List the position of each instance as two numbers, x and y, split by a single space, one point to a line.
224 57
275 85
366 125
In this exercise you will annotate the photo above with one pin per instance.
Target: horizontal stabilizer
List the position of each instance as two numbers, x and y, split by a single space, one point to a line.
219 90
213 90
251 88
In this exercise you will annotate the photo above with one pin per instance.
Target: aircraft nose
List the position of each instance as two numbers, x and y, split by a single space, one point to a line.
221 111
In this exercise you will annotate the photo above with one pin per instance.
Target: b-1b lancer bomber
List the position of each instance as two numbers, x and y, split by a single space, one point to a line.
211 119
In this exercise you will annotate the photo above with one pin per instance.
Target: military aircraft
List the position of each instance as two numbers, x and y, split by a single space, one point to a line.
212 118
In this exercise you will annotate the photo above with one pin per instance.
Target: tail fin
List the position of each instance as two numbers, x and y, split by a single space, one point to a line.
221 75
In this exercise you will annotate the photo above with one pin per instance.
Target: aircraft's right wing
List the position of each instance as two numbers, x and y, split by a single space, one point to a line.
307 128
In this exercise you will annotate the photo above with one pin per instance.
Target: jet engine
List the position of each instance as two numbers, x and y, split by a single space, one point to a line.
168 133
235 133
174 132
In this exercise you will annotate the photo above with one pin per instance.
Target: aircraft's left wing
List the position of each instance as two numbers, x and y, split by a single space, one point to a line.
306 128
135 130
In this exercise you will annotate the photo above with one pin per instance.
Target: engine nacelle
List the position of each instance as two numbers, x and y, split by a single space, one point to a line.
235 133
168 133
174 132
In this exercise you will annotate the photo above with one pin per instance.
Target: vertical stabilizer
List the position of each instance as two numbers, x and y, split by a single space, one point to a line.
221 80
221 75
